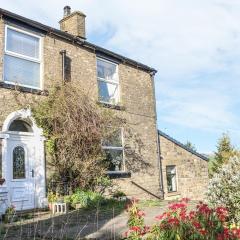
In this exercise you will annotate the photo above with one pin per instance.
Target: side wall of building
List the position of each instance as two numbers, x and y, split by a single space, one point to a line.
137 98
191 171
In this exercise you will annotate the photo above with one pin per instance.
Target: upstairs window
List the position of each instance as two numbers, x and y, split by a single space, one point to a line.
22 58
113 147
108 82
171 179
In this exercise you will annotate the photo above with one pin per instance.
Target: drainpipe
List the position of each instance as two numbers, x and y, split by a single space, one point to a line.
158 139
160 165
63 53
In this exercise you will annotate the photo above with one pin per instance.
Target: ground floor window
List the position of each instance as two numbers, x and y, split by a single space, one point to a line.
171 178
113 147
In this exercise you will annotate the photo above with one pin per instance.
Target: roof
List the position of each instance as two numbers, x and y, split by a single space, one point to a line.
182 145
71 38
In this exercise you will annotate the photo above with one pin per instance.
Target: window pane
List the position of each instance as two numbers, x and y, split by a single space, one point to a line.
171 169
114 138
108 92
20 71
20 126
171 179
114 159
18 163
22 43
107 70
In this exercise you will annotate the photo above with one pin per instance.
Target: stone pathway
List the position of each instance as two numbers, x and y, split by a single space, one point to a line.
78 224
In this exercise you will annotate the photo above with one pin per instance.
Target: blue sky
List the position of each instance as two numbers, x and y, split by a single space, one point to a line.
194 45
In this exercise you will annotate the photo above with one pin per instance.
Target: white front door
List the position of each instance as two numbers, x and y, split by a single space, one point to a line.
20 170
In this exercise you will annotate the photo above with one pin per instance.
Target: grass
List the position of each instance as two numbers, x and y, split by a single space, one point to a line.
151 203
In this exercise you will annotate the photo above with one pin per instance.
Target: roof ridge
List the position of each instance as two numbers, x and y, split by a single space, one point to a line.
161 133
72 38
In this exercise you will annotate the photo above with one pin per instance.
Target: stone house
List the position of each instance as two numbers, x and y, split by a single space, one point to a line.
184 171
33 58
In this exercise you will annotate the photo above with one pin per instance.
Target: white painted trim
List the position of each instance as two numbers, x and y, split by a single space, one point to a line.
176 176
114 82
25 114
37 140
4 136
120 149
31 59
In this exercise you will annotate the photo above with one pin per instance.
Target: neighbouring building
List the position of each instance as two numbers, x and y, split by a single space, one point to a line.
33 58
184 171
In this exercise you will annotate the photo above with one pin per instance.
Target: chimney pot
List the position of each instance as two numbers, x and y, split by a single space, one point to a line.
66 11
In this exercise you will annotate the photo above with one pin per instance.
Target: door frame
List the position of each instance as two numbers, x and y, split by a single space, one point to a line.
14 185
39 161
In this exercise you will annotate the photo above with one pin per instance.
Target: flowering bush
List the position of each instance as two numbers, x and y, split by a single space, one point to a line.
136 225
224 189
178 223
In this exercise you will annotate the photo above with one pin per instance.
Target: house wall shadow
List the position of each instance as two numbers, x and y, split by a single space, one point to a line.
78 224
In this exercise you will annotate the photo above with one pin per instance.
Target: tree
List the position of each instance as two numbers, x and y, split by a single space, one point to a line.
225 150
74 126
191 146
224 188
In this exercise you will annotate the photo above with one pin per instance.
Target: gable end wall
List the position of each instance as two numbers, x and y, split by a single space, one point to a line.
192 171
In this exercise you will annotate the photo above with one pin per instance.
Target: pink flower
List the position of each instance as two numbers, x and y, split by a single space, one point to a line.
173 221
135 228
140 213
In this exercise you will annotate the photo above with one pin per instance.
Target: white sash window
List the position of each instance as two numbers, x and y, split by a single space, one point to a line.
108 82
22 58
114 150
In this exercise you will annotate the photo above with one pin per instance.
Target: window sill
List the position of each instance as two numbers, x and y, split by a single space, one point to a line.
111 106
170 194
114 175
23 89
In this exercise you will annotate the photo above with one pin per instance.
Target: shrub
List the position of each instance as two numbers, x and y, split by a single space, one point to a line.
119 194
179 223
74 126
10 214
84 198
52 197
137 228
224 189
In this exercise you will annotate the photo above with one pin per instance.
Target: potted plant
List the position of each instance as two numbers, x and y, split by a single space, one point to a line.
120 196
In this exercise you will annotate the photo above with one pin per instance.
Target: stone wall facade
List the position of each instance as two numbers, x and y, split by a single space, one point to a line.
191 169
137 101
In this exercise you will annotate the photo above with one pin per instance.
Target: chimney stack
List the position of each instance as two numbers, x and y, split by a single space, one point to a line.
73 23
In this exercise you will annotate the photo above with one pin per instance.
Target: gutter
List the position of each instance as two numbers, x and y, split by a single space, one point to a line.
73 39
